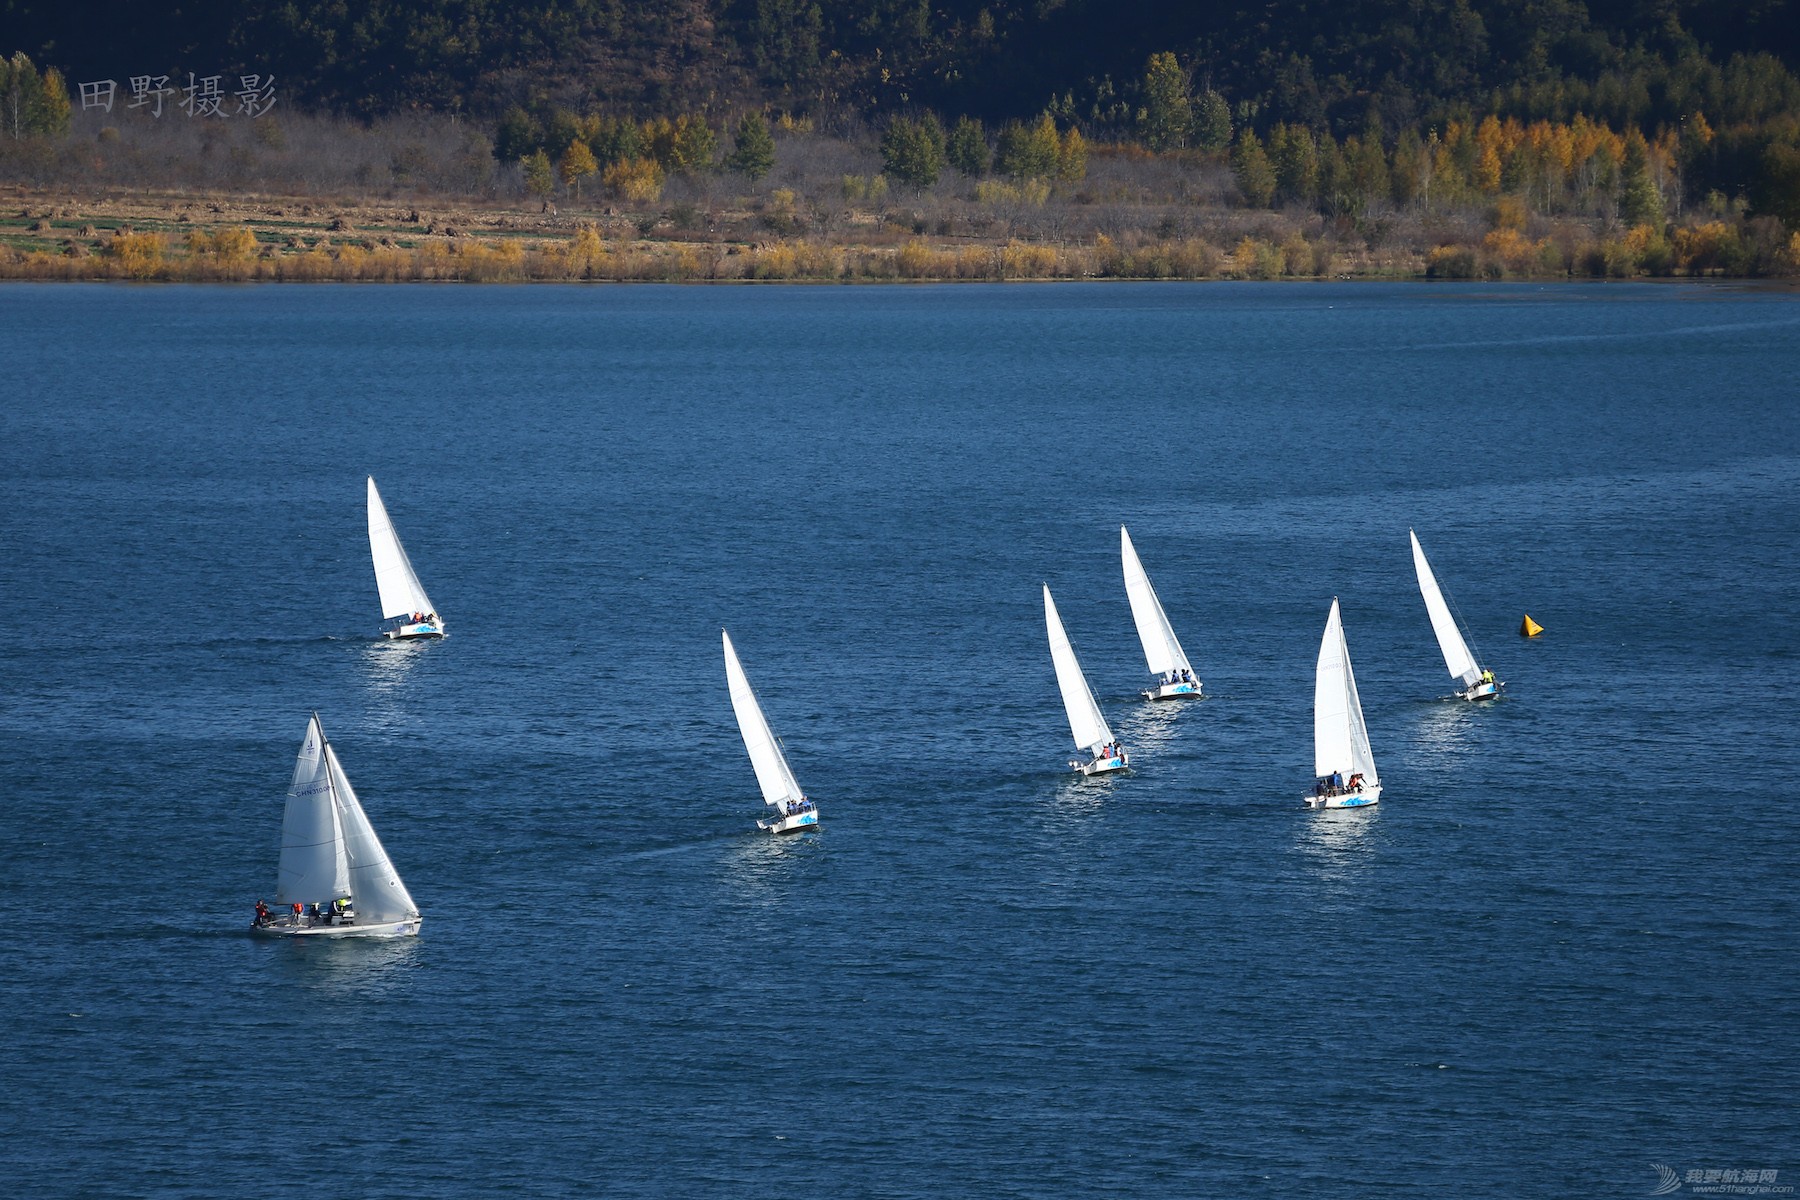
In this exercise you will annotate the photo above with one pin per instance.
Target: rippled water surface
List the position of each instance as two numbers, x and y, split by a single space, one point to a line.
1561 949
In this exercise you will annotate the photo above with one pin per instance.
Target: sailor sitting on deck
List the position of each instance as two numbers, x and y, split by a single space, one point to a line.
1487 677
1356 783
262 913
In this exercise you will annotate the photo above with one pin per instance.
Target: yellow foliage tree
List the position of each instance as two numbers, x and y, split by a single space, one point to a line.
577 164
139 254
639 181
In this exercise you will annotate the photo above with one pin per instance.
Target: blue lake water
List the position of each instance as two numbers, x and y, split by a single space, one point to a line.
1561 949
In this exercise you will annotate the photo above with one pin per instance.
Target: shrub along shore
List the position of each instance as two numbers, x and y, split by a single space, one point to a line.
227 237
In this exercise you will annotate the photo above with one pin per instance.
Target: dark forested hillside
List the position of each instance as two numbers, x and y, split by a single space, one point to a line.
1328 64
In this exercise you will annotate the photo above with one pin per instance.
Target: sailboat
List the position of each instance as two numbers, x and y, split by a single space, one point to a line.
1175 675
1477 683
335 881
781 791
404 605
1343 765
1089 728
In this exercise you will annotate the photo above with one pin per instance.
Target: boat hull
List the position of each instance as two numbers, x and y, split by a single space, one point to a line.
408 633
1102 766
793 824
1173 691
389 929
1362 799
1481 691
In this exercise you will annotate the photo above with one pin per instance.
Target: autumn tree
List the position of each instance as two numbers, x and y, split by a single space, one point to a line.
753 148
639 180
1071 156
578 163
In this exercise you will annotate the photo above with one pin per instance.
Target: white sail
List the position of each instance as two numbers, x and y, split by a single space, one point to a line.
1457 658
1085 722
373 883
1161 650
1340 739
773 775
314 869
398 583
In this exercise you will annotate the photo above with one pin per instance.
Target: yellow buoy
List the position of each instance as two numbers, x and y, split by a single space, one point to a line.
1529 627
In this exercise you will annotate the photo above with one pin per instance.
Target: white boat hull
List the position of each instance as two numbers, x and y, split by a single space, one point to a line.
793 824
1172 691
1357 799
406 633
1102 766
392 929
1482 691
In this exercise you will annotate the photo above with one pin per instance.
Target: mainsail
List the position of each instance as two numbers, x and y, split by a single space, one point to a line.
1161 650
1450 639
401 593
773 775
1085 722
1340 739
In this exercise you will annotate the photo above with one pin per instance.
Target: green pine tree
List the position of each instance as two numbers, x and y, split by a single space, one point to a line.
753 148
695 144
1167 115
1295 156
540 176
1255 174
1212 122
968 148
913 151
1639 201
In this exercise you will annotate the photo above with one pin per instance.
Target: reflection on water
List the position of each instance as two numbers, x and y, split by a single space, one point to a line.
386 667
1443 732
1338 844
1150 725
345 967
1076 812
386 664
763 869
